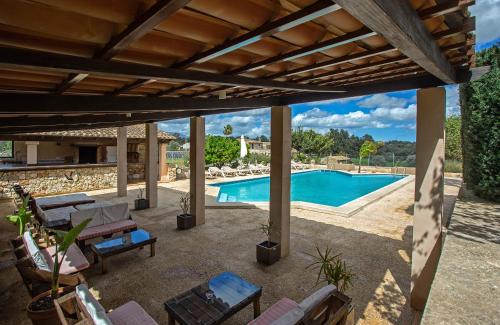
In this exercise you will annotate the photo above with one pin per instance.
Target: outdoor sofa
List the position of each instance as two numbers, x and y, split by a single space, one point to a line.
87 310
325 306
107 219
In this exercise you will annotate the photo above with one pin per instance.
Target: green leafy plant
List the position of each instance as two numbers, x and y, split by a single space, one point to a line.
368 148
22 217
63 240
184 203
267 229
331 269
228 130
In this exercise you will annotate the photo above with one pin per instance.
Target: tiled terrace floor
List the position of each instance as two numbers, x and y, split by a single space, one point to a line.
376 243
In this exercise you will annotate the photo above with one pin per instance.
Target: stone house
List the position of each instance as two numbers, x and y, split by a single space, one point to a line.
65 161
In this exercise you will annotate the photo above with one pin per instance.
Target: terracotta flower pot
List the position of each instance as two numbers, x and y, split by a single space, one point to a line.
48 316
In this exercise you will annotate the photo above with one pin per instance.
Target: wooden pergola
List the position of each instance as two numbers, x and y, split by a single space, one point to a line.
68 64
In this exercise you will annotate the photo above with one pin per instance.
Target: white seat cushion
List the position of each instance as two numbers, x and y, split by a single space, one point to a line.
34 252
95 310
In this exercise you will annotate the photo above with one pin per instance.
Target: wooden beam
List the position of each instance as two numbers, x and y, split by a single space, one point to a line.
401 26
445 8
144 24
469 25
74 104
42 61
311 12
59 123
133 85
314 48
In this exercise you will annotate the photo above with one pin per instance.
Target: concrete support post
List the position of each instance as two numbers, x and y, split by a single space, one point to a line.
121 160
152 164
197 168
429 182
163 162
32 152
279 203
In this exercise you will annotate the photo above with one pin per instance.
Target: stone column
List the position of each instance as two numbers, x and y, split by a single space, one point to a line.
197 168
151 164
429 180
121 160
32 152
163 162
281 155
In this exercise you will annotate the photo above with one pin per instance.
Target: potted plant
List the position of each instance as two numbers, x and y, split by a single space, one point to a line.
331 269
185 220
41 309
141 203
268 252
20 218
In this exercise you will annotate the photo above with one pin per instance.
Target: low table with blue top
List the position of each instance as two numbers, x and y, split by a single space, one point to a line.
122 243
214 301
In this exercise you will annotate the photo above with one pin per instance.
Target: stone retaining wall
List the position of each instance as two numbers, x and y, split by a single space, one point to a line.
54 180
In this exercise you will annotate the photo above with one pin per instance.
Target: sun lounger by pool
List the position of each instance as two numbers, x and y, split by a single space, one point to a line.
214 171
89 311
228 171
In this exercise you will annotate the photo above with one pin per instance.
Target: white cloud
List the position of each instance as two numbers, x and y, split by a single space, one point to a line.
395 114
487 13
409 126
382 100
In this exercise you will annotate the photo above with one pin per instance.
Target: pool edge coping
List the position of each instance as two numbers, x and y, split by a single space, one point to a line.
346 210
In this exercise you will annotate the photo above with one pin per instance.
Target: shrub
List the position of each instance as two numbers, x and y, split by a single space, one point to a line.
480 104
452 166
221 150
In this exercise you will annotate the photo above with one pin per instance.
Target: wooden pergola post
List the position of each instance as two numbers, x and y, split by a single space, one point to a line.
121 160
197 168
429 183
152 164
279 203
163 174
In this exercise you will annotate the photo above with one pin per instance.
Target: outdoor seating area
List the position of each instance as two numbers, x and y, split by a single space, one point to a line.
284 285
111 234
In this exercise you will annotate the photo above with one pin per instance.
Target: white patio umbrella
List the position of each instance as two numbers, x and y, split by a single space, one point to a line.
243 147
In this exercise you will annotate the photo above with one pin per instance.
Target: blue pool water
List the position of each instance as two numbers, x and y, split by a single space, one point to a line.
320 186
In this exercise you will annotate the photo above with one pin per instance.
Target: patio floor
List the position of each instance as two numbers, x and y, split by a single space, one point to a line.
376 243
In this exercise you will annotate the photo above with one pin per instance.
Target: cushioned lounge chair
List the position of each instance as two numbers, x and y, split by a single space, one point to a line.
37 280
80 307
74 261
228 171
325 306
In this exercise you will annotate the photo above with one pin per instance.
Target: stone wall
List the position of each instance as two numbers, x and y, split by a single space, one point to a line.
136 171
58 179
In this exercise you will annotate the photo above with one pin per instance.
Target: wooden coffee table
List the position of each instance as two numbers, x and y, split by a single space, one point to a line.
214 301
123 243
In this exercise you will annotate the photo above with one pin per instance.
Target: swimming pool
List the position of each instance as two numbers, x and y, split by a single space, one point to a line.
324 187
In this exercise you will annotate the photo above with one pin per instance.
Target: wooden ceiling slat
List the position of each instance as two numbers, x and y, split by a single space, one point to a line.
445 8
317 9
401 26
144 24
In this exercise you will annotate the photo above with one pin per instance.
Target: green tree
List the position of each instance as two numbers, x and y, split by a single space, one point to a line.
367 148
311 143
174 146
228 130
221 150
480 109
453 145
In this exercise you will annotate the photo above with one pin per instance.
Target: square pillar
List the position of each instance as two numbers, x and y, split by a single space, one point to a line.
32 152
429 183
281 155
163 175
121 160
197 168
151 164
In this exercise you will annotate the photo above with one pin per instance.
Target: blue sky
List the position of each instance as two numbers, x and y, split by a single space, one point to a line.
389 116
